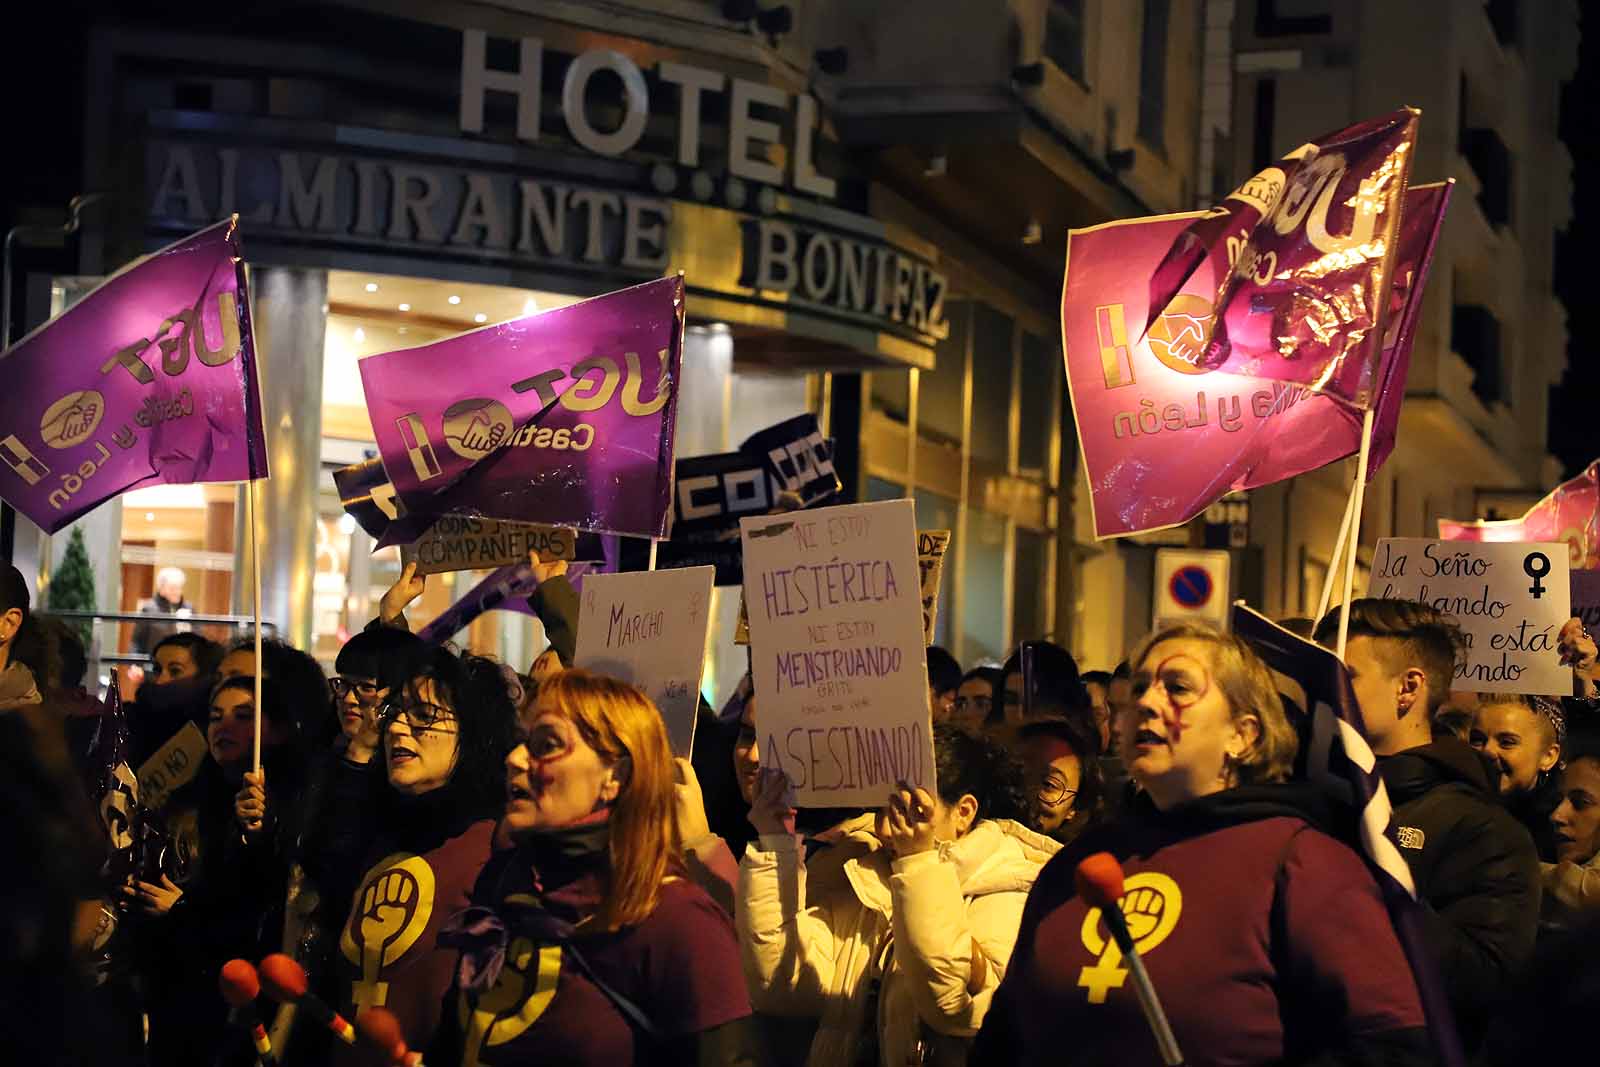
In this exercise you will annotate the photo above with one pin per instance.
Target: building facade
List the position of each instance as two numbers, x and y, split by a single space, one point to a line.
1492 337
869 202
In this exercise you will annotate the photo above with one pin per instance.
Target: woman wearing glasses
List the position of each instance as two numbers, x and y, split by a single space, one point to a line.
421 811
895 936
977 705
1064 775
588 944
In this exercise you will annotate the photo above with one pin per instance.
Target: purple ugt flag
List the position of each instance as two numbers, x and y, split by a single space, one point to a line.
1341 760
1302 255
566 417
149 378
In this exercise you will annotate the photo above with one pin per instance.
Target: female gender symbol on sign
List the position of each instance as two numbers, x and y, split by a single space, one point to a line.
1191 586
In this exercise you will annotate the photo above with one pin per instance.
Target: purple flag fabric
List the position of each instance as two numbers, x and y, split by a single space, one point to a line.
149 378
565 417
505 589
1162 437
1300 256
1342 762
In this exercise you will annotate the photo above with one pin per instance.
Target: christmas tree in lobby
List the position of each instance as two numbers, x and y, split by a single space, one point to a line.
72 586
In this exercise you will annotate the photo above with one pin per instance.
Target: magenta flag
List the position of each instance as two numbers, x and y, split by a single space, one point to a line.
1571 513
1162 437
565 417
150 378
1299 257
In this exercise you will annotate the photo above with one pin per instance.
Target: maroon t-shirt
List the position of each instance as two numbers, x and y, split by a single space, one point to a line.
1264 940
680 967
388 951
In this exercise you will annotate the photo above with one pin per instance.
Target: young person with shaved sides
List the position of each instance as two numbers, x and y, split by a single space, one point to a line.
1475 866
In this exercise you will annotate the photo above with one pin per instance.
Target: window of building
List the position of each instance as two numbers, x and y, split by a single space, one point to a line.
1266 117
992 362
1029 609
1153 73
891 393
1292 18
983 588
1063 37
940 391
1491 162
1475 337
883 489
1036 400
1503 17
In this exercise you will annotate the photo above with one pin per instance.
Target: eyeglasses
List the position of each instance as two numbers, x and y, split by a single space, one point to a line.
419 716
342 687
1054 790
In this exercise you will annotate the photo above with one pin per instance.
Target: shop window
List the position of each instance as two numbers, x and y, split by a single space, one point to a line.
1038 393
891 393
1153 73
1063 37
1475 337
938 512
1292 18
883 489
982 625
992 364
940 391
1030 593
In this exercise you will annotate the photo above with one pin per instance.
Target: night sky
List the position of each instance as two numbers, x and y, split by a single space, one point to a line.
1575 404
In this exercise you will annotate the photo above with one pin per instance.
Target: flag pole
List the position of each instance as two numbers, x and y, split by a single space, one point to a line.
1354 541
653 544
255 605
1333 560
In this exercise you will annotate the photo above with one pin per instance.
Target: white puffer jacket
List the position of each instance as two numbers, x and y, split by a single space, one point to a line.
815 935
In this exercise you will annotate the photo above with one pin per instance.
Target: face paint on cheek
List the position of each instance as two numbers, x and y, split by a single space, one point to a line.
1174 721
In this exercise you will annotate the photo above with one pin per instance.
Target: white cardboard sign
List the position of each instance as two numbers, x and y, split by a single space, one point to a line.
1511 600
837 651
649 628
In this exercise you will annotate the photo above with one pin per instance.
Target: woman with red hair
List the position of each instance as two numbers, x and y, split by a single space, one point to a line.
587 944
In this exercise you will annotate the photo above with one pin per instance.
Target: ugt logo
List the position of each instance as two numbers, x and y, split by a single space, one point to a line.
1177 339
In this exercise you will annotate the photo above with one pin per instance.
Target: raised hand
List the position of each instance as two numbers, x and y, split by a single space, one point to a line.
691 803
1578 651
772 811
905 824
543 572
406 589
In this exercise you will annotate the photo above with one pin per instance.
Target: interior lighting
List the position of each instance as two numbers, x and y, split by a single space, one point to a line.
405 307
454 299
480 317
372 287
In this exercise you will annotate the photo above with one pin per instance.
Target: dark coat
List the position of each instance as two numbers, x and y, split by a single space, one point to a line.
1476 870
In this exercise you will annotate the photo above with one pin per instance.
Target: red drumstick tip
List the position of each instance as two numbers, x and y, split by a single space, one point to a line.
1099 879
284 978
381 1028
238 982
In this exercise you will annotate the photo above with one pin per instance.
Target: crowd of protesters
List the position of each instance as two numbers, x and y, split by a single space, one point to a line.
516 867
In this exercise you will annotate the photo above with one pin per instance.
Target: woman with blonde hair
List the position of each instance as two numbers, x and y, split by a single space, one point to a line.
1266 938
586 944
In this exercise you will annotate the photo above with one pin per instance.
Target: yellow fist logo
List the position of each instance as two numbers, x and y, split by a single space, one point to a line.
1151 903
392 910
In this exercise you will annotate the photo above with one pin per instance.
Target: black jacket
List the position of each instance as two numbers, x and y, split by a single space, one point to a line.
1475 869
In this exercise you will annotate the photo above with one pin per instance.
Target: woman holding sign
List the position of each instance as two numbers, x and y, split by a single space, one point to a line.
1266 939
894 936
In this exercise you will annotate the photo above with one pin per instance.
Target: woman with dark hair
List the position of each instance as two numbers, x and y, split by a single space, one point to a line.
420 808
896 936
220 891
1063 776
977 699
175 692
21 647
304 685
1228 893
587 943
1041 680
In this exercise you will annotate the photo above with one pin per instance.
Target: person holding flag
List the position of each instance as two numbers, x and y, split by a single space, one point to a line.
1253 966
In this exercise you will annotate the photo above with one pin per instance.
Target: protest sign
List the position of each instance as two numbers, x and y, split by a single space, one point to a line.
567 416
148 379
1162 435
464 543
931 545
649 628
1510 600
174 765
837 650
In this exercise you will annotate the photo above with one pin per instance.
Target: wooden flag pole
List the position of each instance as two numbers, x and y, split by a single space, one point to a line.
653 544
1354 541
1333 560
255 605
